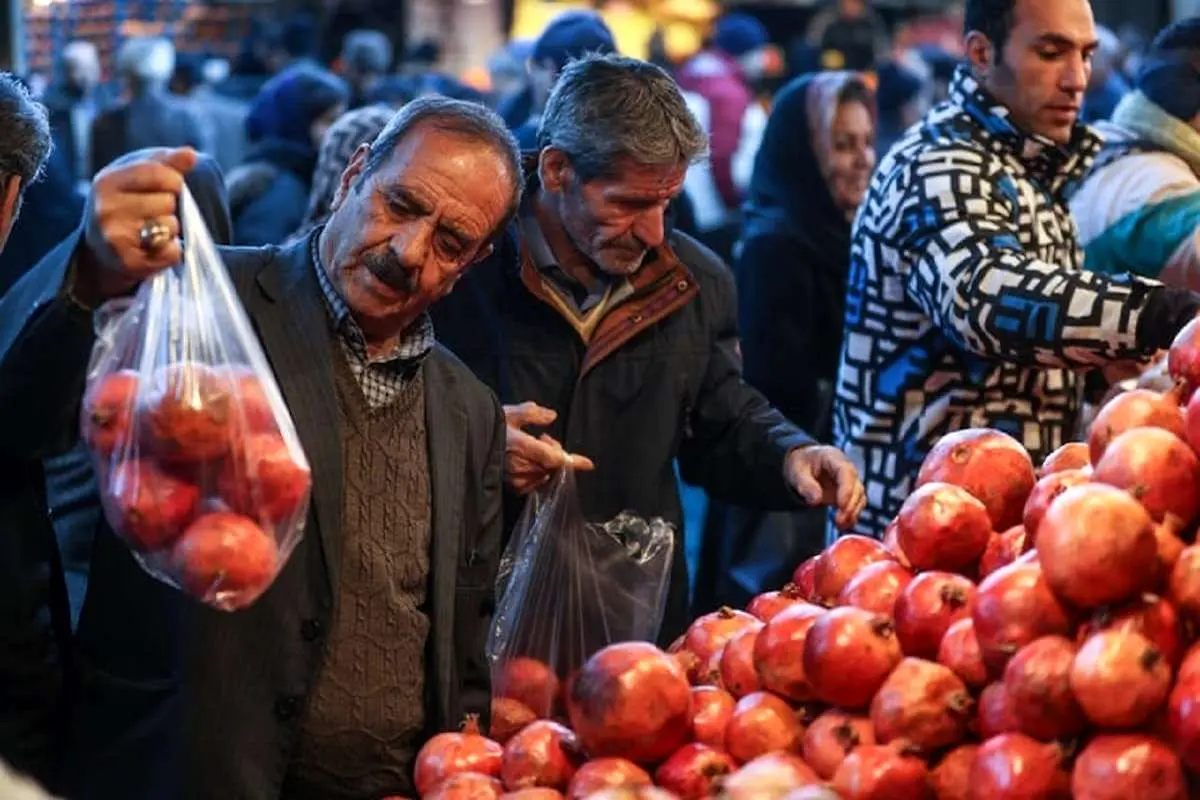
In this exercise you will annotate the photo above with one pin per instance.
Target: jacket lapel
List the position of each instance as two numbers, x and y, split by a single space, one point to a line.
294 328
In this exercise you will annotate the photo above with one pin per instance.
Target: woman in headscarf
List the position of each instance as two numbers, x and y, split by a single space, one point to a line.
268 193
810 176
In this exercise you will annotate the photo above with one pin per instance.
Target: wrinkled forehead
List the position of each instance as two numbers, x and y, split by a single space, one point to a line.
629 177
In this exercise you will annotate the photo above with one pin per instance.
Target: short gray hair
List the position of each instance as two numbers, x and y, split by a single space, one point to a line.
147 59
603 107
24 132
367 52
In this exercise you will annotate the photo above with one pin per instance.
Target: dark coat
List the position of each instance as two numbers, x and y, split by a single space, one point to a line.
660 380
154 119
177 700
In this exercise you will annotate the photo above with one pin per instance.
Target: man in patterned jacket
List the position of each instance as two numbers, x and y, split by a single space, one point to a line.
966 302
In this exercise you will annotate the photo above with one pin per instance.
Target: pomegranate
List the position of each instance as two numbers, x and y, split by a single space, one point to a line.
1158 468
631 700
1045 492
250 397
848 655
451 753
951 778
543 753
804 578
1183 357
880 772
1192 422
263 480
711 711
891 540
467 786
959 651
943 527
768 777
709 633
1072 455
779 652
694 771
108 411
991 465
187 413
768 604
812 793
1013 606
841 561
1189 667
1120 679
875 587
633 793
831 736
508 717
923 704
762 723
1124 766
1149 615
1136 408
530 682
1183 721
1002 549
1096 546
148 506
1013 766
1184 586
927 608
738 673
533 793
1037 681
604 773
1170 547
996 713
225 557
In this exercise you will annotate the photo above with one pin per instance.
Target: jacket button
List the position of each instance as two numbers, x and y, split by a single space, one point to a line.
636 319
681 286
287 707
311 630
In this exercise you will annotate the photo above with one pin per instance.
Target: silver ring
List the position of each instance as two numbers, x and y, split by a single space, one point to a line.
154 235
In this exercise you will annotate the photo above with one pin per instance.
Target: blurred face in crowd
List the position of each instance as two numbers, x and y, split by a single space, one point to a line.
322 123
82 70
851 155
1043 70
612 222
400 237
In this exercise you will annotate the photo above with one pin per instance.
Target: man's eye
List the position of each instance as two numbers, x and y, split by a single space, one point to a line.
450 246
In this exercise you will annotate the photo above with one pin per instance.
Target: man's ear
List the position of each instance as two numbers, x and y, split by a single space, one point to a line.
980 53
10 206
356 167
554 168
484 252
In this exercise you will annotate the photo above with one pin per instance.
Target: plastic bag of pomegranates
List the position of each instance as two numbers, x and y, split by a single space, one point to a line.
200 470
568 588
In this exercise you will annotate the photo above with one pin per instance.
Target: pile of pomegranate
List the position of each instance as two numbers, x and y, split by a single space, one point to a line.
196 476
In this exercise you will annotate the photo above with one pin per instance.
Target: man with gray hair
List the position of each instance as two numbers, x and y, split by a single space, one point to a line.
73 102
366 57
614 337
150 116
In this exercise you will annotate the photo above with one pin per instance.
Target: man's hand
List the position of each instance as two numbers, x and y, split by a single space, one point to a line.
531 461
823 476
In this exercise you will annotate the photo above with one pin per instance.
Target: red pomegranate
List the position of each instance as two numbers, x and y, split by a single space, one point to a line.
992 466
633 793
711 711
880 772
1120 679
631 700
1013 606
923 704
841 561
1189 667
1170 547
959 651
768 604
1150 615
1096 546
108 409
891 540
1136 408
848 655
927 608
227 557
1183 357
831 736
996 714
530 682
1072 455
543 753
1183 589
1156 467
943 527
1002 549
1183 721
762 723
1192 422
451 753
508 718
694 771
604 773
951 778
467 786
263 480
148 506
875 587
767 777
1013 766
188 413
251 401
534 793
739 676
1037 682
804 578
709 633
779 652
1045 492
1124 766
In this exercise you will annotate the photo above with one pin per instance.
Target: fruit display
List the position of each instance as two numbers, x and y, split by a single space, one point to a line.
1022 633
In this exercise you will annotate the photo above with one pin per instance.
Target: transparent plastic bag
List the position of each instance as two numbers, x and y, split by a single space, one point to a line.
200 470
568 588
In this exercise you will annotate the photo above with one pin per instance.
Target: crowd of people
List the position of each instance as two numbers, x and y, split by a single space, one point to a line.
780 283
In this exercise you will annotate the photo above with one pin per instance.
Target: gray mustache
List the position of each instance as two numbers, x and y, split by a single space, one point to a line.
389 270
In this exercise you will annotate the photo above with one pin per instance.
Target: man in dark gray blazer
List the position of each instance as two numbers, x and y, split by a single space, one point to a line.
372 636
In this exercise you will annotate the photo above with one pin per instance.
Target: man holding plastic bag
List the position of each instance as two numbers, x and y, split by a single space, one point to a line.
370 635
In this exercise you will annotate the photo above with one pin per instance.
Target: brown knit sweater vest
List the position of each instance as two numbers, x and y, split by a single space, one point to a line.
366 714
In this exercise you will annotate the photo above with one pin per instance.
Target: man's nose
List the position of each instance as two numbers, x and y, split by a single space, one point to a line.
650 227
410 246
1075 77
